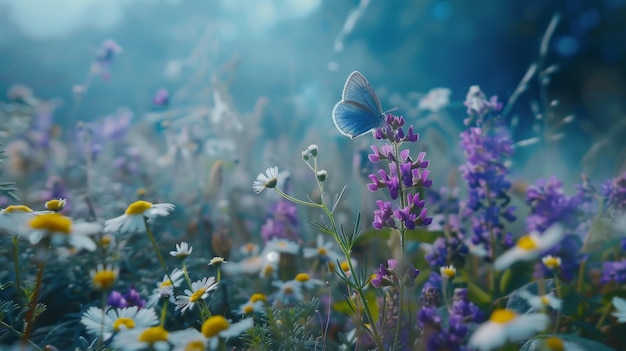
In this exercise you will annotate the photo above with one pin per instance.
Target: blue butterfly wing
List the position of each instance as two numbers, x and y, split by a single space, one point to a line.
353 119
359 90
360 110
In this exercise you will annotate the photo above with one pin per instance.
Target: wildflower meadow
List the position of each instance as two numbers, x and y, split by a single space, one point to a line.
200 224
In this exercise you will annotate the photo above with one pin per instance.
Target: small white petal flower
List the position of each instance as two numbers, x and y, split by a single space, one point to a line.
217 327
55 205
289 292
199 291
61 230
306 281
267 180
14 217
217 261
250 307
165 289
153 338
529 247
281 245
447 272
551 262
183 250
104 277
505 325
435 100
188 340
132 221
114 320
537 302
620 306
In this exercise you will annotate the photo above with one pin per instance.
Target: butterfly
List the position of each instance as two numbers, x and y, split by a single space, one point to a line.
359 110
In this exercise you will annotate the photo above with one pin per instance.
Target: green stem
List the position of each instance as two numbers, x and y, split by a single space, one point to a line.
31 314
557 286
164 312
158 253
16 265
16 332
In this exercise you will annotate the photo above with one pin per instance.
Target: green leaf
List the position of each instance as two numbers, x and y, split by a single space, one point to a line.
505 279
477 294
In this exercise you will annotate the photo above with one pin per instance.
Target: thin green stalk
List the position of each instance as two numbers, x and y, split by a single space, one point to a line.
164 312
16 332
16 265
31 316
557 286
158 252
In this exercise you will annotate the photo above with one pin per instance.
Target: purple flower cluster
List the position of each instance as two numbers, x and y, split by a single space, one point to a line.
403 174
614 192
614 271
486 146
438 336
548 205
282 224
131 298
391 276
446 250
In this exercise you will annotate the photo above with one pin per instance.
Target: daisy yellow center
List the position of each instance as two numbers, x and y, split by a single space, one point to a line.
303 277
197 295
166 283
551 262
322 251
154 334
545 300
138 207
52 222
250 247
128 323
282 244
331 267
248 309
212 326
448 271
195 346
345 266
288 290
555 344
55 205
526 243
268 271
104 279
257 297
18 208
502 316
141 191
105 241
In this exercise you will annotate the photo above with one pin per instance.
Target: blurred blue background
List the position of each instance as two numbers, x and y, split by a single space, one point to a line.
299 53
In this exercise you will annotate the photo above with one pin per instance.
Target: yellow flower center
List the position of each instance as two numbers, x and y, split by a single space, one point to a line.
501 316
331 267
268 271
141 191
138 208
212 326
197 295
526 243
55 205
302 277
104 279
248 309
345 266
448 272
555 344
552 262
18 208
166 283
195 346
322 251
545 300
105 241
52 222
257 297
129 323
154 334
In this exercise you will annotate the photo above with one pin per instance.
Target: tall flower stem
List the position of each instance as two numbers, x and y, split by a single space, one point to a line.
16 265
31 314
158 252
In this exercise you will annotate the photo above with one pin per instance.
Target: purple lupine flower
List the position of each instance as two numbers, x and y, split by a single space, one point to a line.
614 192
614 271
281 223
486 147
133 298
391 276
431 291
402 174
116 300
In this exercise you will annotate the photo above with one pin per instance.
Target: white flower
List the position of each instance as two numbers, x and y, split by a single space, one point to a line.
165 288
249 249
250 307
324 251
114 320
154 338
267 180
435 100
217 261
188 340
529 247
281 245
288 293
305 281
132 221
182 250
537 302
217 327
14 217
199 291
620 306
551 262
104 277
55 205
447 272
61 230
505 325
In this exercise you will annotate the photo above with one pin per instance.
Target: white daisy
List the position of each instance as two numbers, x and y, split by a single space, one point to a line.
114 320
164 287
55 205
13 218
250 307
61 230
267 180
199 291
217 327
154 338
188 340
306 281
288 293
132 221
537 302
324 251
620 306
447 272
217 261
435 100
551 262
529 247
104 277
183 250
506 325
249 249
281 245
